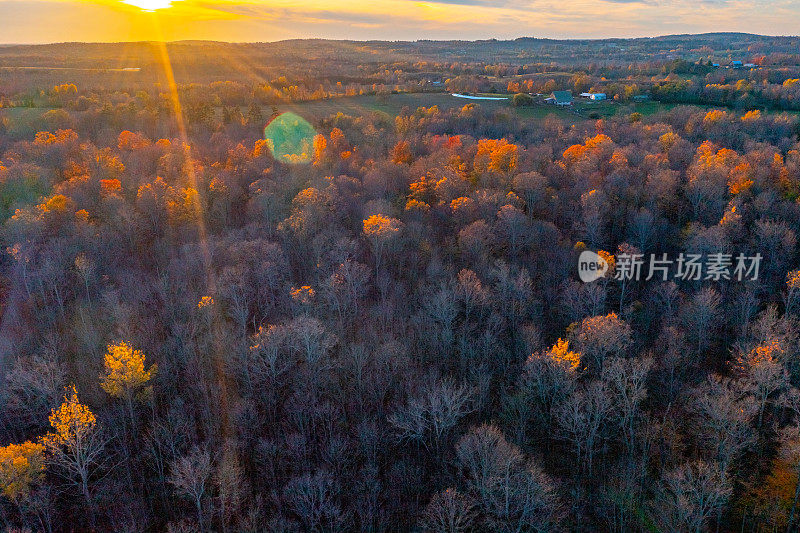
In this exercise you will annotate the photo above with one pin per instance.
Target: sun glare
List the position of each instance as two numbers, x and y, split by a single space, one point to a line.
149 5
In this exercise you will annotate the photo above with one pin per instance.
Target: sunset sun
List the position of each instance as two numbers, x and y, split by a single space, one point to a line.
150 5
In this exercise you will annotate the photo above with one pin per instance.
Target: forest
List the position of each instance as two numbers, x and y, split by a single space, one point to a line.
217 314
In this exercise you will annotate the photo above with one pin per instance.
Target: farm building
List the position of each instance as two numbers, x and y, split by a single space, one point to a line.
598 96
560 98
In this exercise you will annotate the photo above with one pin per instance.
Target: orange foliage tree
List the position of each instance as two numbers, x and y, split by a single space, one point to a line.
21 465
495 155
380 229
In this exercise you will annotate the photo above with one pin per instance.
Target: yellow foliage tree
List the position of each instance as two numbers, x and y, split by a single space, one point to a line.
503 159
21 465
75 442
71 422
125 373
205 301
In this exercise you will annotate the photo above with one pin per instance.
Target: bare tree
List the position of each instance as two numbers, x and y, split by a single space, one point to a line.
514 495
309 338
313 499
448 512
626 382
231 485
690 495
429 416
190 475
346 287
790 452
580 419
269 358
643 230
725 412
702 316
582 300
515 228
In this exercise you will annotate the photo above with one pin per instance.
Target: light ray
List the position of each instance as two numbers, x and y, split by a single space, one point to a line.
211 285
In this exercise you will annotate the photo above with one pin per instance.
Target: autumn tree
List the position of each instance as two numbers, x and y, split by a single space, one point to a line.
21 466
792 291
548 378
599 337
125 375
75 445
380 230
764 376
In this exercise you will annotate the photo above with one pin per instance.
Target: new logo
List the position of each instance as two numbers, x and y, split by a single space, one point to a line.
591 266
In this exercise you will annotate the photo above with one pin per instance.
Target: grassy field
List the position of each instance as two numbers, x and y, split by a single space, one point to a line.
394 103
24 122
390 104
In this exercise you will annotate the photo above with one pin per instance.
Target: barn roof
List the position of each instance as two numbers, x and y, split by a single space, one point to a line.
562 96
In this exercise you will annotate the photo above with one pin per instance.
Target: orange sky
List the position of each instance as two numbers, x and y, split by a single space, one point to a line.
40 21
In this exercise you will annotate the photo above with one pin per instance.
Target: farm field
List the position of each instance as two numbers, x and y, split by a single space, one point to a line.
393 104
24 122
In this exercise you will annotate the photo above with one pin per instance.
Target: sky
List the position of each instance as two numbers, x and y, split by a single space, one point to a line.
47 21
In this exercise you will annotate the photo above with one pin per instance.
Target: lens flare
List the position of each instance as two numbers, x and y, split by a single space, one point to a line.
290 138
150 5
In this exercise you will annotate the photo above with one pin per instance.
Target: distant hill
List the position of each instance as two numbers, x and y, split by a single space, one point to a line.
208 61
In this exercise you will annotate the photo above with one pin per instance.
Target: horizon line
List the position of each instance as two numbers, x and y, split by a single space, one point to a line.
490 39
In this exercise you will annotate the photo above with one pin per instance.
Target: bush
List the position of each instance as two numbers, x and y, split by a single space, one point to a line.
521 100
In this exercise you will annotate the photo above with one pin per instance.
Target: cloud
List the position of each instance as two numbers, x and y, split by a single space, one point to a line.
484 3
261 20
